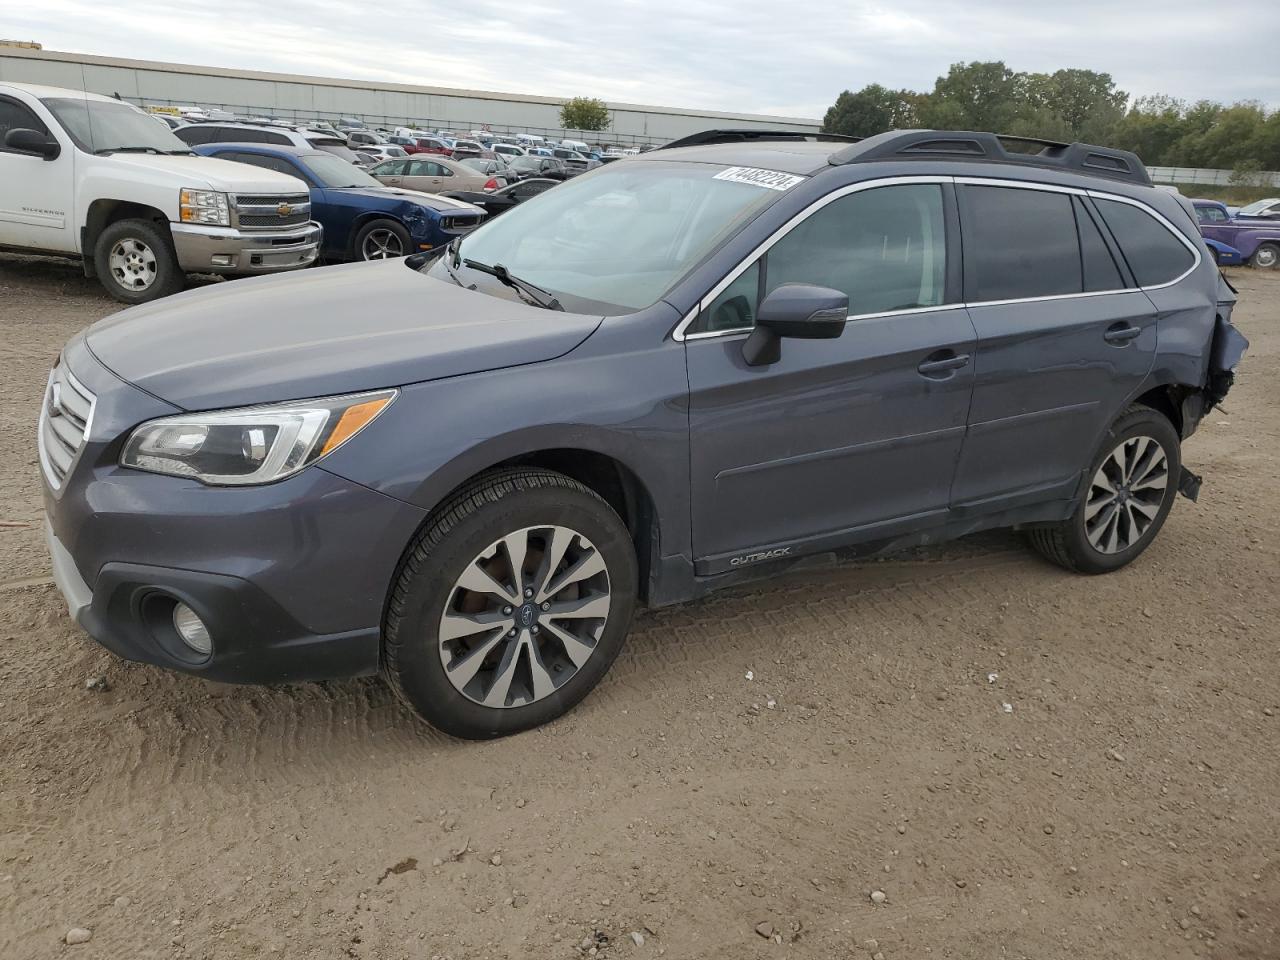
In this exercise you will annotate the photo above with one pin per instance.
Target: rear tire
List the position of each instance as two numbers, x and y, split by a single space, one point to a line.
135 261
511 604
1266 257
1132 486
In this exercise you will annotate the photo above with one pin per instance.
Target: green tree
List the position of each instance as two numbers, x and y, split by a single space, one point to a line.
975 96
584 113
873 109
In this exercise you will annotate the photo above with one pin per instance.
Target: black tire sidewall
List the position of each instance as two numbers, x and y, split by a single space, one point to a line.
357 245
421 675
169 275
1139 422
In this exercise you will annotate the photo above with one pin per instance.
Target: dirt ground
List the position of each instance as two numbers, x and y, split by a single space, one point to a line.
1125 807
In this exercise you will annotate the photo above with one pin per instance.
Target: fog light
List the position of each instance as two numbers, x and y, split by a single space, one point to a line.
223 259
192 629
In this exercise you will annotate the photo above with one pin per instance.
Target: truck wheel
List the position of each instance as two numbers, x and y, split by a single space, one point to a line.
134 260
382 240
511 604
1266 257
1133 481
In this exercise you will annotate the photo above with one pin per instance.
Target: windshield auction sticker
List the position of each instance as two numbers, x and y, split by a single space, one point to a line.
771 179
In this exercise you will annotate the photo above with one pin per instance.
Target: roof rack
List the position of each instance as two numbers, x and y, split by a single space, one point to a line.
707 137
996 148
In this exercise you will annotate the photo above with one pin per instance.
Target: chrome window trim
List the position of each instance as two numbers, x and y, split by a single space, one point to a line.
679 334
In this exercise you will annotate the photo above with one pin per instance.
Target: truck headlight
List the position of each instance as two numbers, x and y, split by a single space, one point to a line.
204 206
251 445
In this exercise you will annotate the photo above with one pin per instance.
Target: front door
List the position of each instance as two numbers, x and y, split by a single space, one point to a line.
37 196
1063 341
840 440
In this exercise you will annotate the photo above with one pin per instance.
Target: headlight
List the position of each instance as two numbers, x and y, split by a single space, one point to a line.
253 444
203 206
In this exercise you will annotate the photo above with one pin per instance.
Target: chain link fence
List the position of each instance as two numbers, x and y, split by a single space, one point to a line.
1211 178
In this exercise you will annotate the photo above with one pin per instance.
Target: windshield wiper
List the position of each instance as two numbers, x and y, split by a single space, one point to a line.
533 295
450 261
126 150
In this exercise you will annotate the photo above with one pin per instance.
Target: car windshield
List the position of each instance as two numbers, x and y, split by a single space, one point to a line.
102 125
331 171
618 239
1255 208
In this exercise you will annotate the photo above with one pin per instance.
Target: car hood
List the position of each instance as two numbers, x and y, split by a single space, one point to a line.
211 172
323 332
432 200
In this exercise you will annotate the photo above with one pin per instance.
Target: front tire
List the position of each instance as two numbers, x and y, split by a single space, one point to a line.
382 240
511 605
1133 482
135 261
1266 257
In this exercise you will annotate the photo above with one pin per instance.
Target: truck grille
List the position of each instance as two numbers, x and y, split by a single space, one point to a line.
65 416
266 211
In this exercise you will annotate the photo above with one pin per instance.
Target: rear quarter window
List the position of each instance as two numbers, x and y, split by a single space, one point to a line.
1152 251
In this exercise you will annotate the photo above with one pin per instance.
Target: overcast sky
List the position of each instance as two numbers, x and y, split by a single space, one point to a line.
788 57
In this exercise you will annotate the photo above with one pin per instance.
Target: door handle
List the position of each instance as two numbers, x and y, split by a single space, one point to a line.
940 366
1121 333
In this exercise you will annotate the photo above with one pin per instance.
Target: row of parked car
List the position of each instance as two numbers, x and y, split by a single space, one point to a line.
144 199
1249 234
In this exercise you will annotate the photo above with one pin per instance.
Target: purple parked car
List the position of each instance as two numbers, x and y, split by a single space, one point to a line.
1254 230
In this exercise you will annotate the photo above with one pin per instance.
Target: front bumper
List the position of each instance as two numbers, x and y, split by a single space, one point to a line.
268 569
206 249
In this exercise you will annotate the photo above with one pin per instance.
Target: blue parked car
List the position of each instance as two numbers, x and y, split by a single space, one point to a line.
362 218
1223 254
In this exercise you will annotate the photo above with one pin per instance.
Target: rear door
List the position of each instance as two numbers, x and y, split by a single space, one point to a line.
840 440
1064 338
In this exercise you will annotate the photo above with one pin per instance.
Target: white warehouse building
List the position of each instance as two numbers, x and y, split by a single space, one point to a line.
302 98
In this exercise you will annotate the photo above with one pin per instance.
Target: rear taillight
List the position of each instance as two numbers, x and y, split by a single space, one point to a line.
491 185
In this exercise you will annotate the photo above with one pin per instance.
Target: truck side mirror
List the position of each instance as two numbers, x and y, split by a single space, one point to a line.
797 310
32 141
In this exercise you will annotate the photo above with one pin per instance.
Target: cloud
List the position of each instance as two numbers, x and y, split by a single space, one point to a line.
791 59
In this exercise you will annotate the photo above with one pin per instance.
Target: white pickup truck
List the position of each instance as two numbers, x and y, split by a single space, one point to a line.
87 176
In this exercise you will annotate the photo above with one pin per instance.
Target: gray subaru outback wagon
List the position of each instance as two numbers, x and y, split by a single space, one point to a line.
666 376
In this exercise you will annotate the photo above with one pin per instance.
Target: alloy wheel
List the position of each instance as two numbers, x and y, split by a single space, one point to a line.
133 264
1126 494
524 616
381 245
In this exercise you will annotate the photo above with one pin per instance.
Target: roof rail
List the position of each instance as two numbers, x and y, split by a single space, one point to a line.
996 148
748 136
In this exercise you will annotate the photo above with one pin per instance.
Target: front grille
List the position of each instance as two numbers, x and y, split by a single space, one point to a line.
65 417
293 220
262 211
270 199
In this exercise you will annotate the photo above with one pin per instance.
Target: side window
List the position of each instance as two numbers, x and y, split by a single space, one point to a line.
1100 270
1217 215
1154 254
885 248
438 170
16 116
277 138
1019 243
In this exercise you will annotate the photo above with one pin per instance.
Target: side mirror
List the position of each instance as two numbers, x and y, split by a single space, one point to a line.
796 310
32 141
